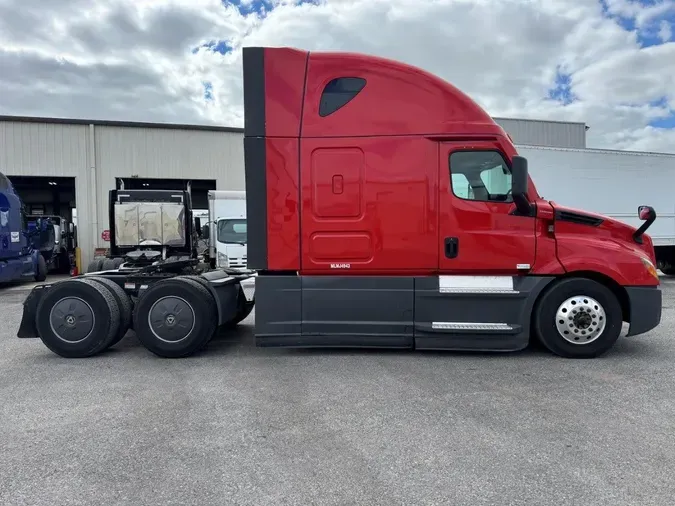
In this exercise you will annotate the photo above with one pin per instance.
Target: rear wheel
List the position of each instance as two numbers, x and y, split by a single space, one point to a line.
117 262
40 269
175 317
95 265
77 318
198 279
205 284
578 318
123 303
108 264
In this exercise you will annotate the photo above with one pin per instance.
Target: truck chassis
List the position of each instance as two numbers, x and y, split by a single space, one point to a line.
173 311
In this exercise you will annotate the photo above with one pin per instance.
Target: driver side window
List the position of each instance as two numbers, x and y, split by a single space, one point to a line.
480 175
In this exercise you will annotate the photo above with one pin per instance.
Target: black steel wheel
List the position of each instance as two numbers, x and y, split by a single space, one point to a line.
77 319
578 318
175 317
123 303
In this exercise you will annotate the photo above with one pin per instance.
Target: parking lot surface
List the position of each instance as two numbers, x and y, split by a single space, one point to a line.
247 426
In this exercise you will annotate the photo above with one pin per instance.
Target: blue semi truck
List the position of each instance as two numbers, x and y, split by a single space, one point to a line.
20 256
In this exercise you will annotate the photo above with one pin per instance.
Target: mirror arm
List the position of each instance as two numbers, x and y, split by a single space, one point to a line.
637 235
523 206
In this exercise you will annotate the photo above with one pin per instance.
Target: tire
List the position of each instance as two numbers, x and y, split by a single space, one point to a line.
108 264
587 337
41 269
95 265
668 271
205 284
184 301
123 303
199 280
85 310
117 262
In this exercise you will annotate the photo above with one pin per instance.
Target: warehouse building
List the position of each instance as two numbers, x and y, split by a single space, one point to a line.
66 167
554 134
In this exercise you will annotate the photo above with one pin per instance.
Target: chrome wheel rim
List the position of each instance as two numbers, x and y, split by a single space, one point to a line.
580 320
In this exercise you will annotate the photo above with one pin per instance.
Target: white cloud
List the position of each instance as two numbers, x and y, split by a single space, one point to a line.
665 31
133 59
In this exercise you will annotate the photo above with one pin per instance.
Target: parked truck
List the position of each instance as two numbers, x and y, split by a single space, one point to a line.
20 256
361 236
148 225
59 253
227 229
612 183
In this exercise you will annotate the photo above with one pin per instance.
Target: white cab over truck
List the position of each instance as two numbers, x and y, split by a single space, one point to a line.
227 229
612 183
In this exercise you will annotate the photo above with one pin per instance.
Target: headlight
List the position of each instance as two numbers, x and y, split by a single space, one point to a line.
222 260
650 267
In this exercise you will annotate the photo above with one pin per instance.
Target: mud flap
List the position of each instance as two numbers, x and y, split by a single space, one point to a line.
27 329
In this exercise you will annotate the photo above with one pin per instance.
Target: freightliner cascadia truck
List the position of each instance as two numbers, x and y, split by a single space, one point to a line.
385 209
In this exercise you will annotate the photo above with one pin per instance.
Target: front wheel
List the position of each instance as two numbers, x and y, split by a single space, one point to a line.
578 318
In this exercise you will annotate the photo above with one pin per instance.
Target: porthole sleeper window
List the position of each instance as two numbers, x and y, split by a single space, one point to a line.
338 93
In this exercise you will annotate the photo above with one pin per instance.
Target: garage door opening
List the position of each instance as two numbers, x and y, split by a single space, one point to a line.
50 196
200 188
53 198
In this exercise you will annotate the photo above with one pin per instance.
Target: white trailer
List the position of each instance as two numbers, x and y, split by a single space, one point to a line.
227 229
612 183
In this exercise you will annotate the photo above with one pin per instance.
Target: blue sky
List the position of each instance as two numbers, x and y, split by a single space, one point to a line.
260 7
647 36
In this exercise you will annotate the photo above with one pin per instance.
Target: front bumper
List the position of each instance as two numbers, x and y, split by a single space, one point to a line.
645 308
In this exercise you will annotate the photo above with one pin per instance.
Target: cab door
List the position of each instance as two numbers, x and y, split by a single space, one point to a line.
480 230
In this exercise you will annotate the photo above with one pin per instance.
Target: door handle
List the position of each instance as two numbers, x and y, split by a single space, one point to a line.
451 247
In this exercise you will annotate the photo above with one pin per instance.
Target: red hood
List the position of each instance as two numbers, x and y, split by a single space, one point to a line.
604 226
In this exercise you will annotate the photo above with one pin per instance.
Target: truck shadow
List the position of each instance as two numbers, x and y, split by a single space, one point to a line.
242 340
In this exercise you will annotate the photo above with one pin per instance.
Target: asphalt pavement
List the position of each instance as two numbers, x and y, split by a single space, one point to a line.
245 426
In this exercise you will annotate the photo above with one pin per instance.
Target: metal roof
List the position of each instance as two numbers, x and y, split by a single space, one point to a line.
130 124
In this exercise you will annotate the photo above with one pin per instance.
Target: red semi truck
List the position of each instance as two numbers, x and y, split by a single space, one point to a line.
385 209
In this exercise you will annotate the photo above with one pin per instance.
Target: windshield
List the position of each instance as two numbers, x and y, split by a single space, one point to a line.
232 231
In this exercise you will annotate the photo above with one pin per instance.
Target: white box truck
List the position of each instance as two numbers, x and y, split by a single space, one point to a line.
227 229
612 183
